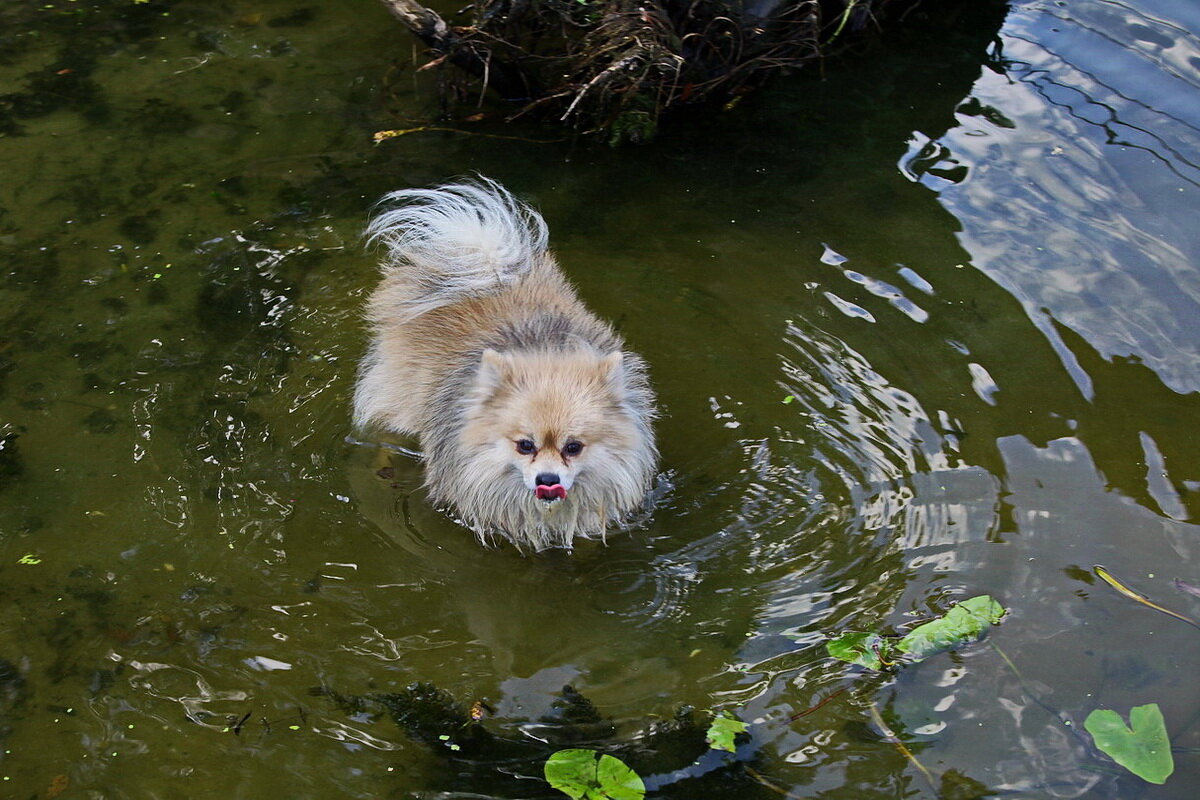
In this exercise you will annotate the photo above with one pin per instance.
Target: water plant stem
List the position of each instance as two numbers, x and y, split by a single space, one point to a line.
891 736
1138 597
756 775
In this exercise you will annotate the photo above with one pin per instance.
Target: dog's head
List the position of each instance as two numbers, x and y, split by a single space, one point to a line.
556 429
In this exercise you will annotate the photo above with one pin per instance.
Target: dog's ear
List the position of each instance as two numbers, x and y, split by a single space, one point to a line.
612 367
494 368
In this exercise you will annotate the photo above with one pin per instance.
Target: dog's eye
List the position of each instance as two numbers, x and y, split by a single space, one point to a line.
572 448
525 447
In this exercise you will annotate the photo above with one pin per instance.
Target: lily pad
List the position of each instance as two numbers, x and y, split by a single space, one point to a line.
588 775
963 623
859 647
723 730
1142 748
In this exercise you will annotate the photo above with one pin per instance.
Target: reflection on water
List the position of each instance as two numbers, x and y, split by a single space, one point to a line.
1099 151
922 329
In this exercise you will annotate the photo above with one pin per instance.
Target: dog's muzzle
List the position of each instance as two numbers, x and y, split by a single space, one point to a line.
549 488
555 492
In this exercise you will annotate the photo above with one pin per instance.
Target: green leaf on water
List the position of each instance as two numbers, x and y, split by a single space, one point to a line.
1142 748
618 781
722 731
588 775
963 623
859 647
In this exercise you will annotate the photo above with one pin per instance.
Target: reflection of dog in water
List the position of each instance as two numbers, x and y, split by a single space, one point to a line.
535 424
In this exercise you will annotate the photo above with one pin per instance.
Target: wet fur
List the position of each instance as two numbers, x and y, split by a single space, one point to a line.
480 341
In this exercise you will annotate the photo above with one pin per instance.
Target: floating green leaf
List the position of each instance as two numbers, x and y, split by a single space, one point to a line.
617 780
859 647
963 623
588 775
573 772
1142 748
722 731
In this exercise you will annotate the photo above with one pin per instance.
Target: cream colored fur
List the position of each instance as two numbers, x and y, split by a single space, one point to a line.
480 342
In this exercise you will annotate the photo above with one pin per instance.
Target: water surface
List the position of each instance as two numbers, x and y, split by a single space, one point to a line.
926 328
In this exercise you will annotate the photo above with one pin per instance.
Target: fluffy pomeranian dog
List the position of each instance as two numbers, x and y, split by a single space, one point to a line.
534 421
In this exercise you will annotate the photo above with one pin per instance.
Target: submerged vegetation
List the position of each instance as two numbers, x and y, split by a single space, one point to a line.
588 756
615 66
576 748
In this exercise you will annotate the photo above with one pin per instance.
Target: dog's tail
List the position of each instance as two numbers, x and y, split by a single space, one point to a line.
457 241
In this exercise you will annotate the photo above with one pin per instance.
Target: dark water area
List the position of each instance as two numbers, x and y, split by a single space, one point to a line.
923 327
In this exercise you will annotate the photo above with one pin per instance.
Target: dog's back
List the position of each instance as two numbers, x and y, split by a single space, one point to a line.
466 267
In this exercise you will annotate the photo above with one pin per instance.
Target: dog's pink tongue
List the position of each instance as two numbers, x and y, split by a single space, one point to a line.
555 492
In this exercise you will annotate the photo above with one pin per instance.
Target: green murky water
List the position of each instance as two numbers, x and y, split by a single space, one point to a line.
970 258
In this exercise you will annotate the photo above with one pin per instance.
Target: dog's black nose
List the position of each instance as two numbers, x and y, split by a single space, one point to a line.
546 479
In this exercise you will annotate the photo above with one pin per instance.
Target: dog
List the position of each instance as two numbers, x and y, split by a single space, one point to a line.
534 422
